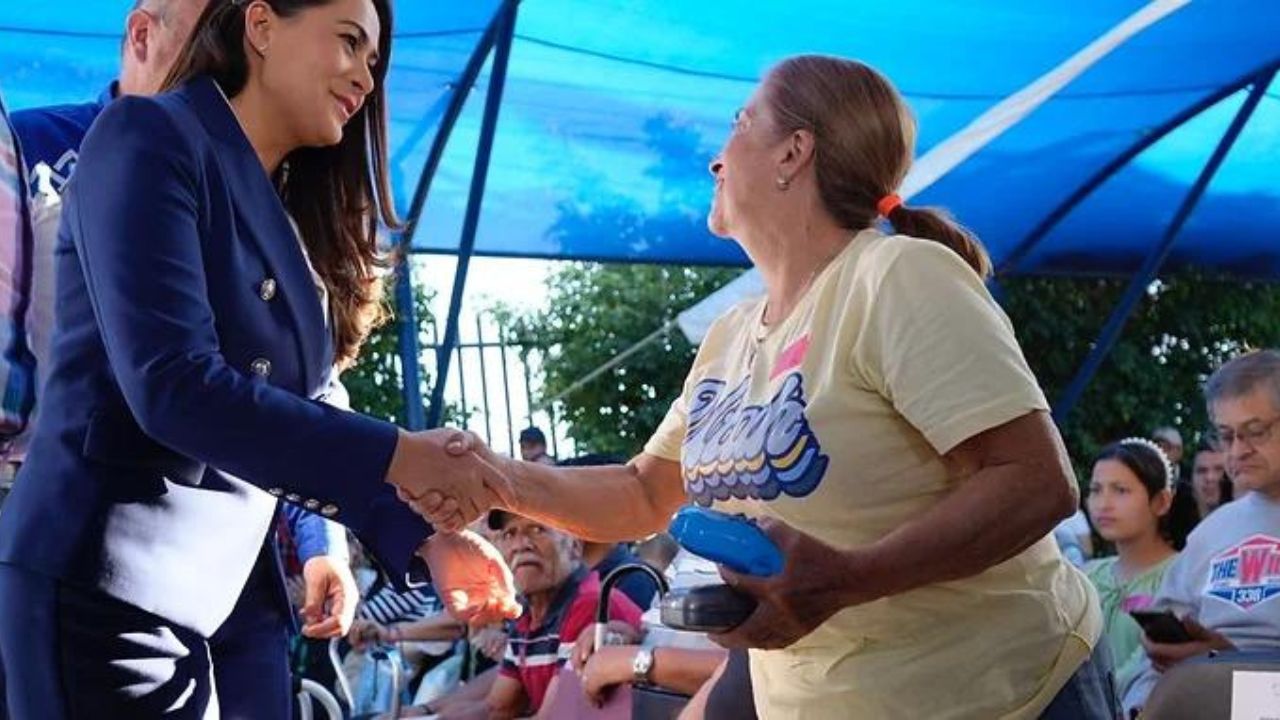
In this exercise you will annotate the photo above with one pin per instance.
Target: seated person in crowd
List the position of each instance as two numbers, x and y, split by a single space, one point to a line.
415 620
1170 441
385 608
1129 498
440 627
604 558
678 669
560 595
1075 538
1224 584
479 656
1209 480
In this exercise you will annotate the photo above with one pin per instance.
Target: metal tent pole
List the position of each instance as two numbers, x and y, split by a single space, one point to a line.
1024 247
407 343
1155 259
471 221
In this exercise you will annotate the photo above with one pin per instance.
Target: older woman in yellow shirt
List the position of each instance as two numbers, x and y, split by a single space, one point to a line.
875 412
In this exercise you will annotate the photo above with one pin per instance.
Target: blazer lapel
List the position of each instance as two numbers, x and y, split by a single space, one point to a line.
259 206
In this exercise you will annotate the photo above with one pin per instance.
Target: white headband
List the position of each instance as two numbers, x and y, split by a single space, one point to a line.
1160 453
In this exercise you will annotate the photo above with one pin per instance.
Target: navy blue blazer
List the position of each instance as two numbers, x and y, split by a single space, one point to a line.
189 342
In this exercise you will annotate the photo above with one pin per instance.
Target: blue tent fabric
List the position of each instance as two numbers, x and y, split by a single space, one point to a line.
613 108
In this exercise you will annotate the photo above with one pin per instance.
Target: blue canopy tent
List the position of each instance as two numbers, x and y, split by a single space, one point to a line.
572 129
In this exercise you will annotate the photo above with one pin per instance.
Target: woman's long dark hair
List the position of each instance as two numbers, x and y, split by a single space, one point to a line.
336 194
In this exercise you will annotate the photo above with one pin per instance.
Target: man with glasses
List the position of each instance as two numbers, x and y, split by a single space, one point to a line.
1226 583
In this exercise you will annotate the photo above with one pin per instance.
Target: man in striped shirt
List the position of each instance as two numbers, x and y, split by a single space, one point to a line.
17 366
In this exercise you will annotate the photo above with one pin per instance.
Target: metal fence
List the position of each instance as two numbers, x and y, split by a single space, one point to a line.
492 384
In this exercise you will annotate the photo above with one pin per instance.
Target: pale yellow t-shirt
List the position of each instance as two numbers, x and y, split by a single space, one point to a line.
835 421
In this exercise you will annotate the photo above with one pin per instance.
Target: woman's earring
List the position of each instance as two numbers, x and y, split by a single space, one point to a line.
783 183
282 178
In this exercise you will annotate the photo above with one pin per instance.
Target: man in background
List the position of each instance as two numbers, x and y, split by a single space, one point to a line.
560 595
533 446
1209 481
1223 584
1170 441
17 366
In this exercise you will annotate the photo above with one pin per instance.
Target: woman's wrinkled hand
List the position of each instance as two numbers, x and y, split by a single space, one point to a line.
814 584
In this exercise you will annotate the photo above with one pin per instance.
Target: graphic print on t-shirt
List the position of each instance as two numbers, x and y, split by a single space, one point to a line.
736 450
1247 573
791 358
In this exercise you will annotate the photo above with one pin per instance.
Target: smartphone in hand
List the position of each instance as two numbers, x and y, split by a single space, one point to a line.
1162 627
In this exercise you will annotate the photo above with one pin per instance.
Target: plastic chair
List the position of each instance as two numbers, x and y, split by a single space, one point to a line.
653 703
646 702
336 660
1201 688
376 654
310 691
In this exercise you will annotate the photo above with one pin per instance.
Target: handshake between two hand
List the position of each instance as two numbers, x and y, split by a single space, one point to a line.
452 479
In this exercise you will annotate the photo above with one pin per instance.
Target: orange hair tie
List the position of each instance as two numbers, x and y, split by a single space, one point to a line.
888 204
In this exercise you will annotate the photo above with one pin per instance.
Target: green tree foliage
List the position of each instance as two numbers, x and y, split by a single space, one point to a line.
375 381
597 311
1184 327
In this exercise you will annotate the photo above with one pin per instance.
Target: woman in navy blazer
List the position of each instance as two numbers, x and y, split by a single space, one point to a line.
217 256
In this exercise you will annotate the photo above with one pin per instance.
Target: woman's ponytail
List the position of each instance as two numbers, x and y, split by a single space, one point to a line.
934 224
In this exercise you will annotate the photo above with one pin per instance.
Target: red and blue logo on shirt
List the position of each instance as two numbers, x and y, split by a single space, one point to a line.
1247 573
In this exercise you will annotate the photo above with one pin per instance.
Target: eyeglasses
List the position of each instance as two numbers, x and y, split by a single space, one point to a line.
1253 434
